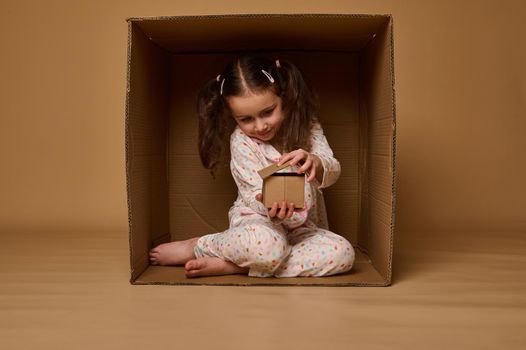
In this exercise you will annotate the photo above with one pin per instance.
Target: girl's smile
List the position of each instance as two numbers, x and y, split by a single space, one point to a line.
265 135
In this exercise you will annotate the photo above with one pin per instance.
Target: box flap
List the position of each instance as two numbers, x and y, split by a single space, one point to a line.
271 169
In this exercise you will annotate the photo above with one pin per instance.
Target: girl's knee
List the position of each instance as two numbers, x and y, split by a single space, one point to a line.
342 255
269 252
276 249
268 245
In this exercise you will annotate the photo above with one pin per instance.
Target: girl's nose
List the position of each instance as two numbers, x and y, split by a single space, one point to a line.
260 127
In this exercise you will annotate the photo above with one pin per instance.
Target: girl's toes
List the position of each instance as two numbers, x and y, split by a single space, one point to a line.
190 265
192 273
195 264
154 258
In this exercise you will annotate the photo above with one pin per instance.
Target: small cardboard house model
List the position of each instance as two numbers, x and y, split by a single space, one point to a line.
282 186
346 58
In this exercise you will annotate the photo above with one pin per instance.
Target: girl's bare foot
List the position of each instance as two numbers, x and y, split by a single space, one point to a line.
173 253
212 266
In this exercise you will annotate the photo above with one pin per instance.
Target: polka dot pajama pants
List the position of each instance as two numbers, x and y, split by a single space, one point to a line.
269 249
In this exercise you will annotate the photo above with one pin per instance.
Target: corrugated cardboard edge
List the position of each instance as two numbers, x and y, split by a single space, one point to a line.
393 158
269 284
248 15
128 154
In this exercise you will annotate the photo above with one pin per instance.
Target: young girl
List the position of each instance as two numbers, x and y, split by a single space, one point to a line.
266 112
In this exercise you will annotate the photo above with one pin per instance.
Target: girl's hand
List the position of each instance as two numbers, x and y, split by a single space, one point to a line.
308 160
286 210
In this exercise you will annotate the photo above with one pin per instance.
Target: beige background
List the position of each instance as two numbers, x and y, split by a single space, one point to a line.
461 197
460 95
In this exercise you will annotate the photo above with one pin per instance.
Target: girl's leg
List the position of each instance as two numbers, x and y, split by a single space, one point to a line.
256 244
316 252
182 253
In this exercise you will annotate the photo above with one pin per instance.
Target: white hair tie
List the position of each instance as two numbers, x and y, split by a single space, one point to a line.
268 76
221 91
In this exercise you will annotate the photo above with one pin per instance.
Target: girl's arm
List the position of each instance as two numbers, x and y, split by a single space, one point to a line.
331 166
244 166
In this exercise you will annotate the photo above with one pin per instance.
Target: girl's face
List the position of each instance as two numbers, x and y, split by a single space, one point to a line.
258 116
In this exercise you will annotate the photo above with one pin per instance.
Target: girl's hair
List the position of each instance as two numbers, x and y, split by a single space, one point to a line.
300 105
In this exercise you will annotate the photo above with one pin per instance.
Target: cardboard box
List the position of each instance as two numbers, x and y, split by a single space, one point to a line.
282 186
347 58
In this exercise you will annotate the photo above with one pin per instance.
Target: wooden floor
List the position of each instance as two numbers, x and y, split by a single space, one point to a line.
456 290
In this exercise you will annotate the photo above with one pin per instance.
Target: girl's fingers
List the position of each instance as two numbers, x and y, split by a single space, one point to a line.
296 159
306 166
284 158
291 210
272 211
283 210
288 156
312 174
294 156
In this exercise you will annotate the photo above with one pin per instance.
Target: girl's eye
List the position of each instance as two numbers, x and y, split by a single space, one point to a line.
267 112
